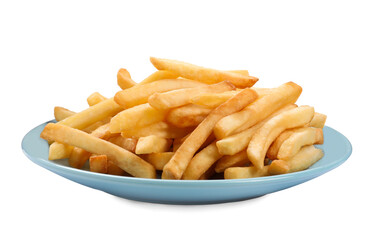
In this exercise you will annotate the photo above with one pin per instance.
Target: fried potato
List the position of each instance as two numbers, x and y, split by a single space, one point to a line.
95 98
273 150
201 162
126 160
59 151
318 120
180 97
61 113
136 117
124 80
265 135
152 144
235 143
159 75
98 163
159 129
189 115
237 160
306 157
298 139
278 97
245 172
175 168
158 160
201 74
139 94
124 142
241 72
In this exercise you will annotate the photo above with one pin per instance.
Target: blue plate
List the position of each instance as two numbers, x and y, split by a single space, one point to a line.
337 149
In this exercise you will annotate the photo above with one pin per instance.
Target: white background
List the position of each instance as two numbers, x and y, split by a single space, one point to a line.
56 54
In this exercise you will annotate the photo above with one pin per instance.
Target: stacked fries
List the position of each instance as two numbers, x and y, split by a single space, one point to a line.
192 123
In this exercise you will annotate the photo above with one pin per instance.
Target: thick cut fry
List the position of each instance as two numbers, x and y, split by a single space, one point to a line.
245 172
177 98
124 80
265 135
159 75
257 111
201 162
136 117
318 120
175 168
159 129
237 160
127 143
59 151
201 74
152 144
92 114
273 150
126 160
189 115
98 163
236 143
61 113
306 157
158 160
139 94
298 139
95 98
242 72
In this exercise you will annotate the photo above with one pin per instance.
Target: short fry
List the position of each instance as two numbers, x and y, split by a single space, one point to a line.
98 163
152 144
95 98
175 168
245 172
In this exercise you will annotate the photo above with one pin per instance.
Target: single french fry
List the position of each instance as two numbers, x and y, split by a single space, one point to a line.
298 139
98 163
237 160
152 144
136 117
245 172
201 74
175 168
201 162
127 143
158 160
273 150
318 120
139 94
278 97
59 151
189 115
61 113
159 129
242 72
159 75
95 98
306 157
265 135
124 80
126 160
236 143
180 97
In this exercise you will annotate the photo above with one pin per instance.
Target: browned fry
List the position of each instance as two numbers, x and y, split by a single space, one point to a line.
98 163
202 74
124 142
124 80
237 160
126 160
258 110
175 168
180 97
189 115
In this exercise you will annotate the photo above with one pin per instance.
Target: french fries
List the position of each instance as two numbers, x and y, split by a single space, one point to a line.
265 135
126 160
139 94
283 95
191 123
175 168
177 98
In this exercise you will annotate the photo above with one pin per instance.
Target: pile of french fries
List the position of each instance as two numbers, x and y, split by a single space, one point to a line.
187 122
